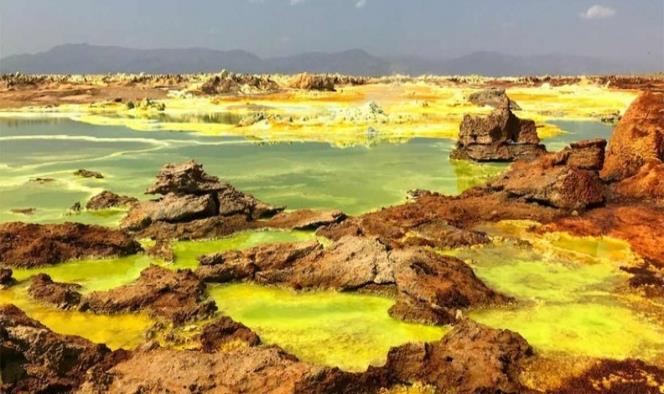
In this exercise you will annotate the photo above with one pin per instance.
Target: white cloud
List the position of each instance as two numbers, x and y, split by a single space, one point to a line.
360 3
598 12
296 2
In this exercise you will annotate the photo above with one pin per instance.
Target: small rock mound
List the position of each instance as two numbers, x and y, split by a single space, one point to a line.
231 83
472 358
305 219
107 199
175 295
88 174
190 194
225 330
27 245
306 81
6 278
493 97
500 136
568 179
62 295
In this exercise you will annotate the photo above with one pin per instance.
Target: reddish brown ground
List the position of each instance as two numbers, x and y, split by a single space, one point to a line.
642 225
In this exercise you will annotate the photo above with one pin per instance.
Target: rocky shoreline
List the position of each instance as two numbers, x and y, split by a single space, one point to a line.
584 189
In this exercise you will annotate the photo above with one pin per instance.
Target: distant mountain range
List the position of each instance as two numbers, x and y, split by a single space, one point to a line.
95 59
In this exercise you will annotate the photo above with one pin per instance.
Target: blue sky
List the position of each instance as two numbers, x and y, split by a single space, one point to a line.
431 28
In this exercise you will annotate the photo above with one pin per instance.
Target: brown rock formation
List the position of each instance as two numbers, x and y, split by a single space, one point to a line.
31 245
500 136
245 264
471 358
107 199
212 227
232 83
305 219
394 224
190 194
171 208
6 278
33 359
647 277
430 287
567 179
646 184
162 250
185 178
88 174
492 97
306 81
638 138
176 295
62 295
225 330
244 370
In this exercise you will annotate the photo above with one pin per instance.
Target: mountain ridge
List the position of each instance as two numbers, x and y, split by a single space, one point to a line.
98 59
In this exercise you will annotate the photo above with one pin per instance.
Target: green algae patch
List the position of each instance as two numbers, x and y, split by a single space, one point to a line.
187 252
351 331
570 293
116 331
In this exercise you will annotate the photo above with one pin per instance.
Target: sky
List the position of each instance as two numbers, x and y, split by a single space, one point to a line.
615 29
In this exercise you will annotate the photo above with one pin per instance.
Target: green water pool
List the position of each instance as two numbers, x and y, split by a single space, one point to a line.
354 179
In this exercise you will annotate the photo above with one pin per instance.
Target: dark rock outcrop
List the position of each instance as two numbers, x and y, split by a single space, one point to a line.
185 178
305 219
647 277
178 296
88 174
568 179
62 295
23 211
34 359
212 227
107 199
433 288
472 358
189 194
171 209
500 136
493 97
6 278
429 287
29 245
